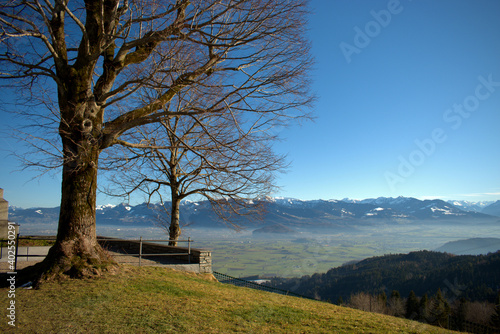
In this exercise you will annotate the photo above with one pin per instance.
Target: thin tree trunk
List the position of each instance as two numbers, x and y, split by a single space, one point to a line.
175 230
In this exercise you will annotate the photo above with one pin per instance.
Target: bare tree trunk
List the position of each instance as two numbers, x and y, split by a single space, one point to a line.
175 230
76 252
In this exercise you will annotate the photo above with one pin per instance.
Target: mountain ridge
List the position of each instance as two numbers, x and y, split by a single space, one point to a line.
477 206
290 212
492 209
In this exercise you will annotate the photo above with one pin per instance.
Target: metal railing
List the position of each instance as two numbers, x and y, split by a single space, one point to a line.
140 241
16 251
223 278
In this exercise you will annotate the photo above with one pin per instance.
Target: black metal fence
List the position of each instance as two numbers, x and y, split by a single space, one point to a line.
141 242
223 278
13 254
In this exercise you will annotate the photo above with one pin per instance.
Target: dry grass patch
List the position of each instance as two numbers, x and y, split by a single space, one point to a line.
158 300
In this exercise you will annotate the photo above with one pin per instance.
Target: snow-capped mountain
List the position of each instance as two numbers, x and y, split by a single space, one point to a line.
471 206
289 212
421 209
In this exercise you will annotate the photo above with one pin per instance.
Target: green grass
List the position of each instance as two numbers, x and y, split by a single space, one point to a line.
35 242
158 300
23 242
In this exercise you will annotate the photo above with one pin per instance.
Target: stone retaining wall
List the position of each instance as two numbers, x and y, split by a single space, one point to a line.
202 257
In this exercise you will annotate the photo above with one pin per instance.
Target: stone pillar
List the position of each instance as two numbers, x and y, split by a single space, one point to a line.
4 218
205 261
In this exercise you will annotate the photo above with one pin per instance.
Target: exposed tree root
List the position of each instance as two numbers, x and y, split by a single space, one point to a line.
63 262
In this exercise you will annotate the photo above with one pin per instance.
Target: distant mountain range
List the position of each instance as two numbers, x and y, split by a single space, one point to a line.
472 206
283 215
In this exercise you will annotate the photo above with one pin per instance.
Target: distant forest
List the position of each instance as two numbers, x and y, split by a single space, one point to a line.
475 278
427 286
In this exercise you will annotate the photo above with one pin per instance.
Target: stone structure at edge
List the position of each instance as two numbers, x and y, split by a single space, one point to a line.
4 218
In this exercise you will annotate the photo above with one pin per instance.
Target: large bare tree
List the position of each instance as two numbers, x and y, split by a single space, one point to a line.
100 55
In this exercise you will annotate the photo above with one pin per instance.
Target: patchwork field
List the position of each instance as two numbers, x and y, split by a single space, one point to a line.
282 257
242 254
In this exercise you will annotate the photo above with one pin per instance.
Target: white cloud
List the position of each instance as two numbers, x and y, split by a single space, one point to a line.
486 196
480 194
423 198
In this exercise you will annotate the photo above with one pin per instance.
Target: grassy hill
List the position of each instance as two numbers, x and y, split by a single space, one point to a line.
158 300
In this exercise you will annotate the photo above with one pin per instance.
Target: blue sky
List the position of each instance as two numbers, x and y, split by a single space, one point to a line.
397 88
408 105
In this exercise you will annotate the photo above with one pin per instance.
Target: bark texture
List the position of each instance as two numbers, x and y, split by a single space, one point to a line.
175 229
76 252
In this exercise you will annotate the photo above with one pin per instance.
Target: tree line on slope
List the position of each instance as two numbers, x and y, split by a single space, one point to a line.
457 314
464 289
424 272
